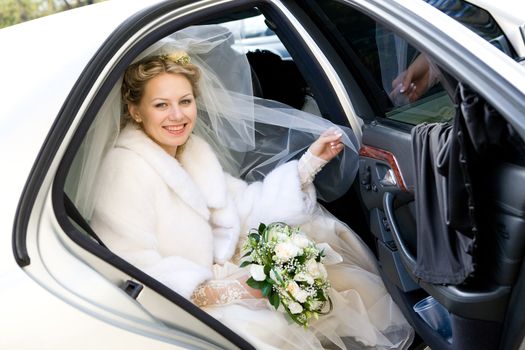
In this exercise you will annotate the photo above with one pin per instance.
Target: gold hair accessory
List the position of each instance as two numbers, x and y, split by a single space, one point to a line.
179 57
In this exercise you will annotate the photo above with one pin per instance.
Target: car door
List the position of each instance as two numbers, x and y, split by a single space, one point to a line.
377 43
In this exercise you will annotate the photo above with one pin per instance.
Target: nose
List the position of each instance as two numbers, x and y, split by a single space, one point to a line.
175 114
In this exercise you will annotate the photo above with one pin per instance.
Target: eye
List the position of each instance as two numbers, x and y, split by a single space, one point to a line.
186 101
161 105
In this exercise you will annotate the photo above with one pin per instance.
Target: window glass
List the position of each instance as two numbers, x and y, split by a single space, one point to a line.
253 34
274 73
400 82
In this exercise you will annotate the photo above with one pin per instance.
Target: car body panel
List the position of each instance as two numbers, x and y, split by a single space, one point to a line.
510 15
45 70
56 324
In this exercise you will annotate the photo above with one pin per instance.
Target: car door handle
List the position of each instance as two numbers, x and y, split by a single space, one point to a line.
388 205
389 179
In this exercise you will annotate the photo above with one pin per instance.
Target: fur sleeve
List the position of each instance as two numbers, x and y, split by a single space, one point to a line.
179 274
279 197
226 230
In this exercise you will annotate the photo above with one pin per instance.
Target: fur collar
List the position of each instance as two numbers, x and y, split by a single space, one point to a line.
197 177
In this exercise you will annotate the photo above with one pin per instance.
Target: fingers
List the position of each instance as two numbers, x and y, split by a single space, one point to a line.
397 81
332 137
331 134
333 143
407 84
328 145
336 147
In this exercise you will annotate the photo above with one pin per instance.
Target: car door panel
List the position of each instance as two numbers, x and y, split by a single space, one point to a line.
393 222
478 308
387 180
380 175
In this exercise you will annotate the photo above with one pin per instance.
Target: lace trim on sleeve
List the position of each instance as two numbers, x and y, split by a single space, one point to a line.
308 166
219 292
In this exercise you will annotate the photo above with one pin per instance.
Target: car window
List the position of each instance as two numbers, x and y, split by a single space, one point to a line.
400 82
274 73
253 34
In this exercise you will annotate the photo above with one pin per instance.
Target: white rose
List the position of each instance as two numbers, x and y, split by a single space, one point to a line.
257 272
300 240
301 276
292 287
322 270
296 292
276 234
295 308
285 251
301 296
313 268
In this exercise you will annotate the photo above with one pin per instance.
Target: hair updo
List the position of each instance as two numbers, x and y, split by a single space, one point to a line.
139 73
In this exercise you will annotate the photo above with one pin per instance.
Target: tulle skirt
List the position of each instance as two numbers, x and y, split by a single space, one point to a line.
364 316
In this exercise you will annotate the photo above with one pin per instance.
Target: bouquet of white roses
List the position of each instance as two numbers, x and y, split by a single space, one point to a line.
287 267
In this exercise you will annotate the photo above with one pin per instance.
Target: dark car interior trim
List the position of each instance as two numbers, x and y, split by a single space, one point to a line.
360 103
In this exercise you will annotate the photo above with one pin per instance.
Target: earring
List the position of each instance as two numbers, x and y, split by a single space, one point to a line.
138 120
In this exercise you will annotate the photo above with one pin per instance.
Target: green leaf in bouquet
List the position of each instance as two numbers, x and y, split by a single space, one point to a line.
246 254
320 296
255 284
255 236
246 263
320 256
301 259
275 300
262 228
266 289
267 269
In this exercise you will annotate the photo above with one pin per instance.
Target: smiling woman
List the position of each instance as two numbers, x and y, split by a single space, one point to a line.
159 96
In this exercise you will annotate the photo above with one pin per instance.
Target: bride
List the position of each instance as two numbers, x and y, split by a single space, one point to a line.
168 196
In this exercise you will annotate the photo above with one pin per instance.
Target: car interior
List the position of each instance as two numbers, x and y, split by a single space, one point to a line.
381 206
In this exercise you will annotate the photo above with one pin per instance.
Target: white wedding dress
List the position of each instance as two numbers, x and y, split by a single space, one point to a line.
364 316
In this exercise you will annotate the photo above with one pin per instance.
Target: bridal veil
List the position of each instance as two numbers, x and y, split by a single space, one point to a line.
250 135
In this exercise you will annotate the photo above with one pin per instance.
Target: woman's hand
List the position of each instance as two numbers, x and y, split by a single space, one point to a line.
256 293
328 145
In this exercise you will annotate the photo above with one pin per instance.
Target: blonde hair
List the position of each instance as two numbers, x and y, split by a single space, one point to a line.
139 73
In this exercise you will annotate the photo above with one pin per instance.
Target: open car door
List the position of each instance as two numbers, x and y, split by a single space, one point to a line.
440 171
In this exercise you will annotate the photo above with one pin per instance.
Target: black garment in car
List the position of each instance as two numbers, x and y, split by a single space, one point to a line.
451 165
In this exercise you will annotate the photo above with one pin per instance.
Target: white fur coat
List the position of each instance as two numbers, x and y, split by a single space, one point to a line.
175 218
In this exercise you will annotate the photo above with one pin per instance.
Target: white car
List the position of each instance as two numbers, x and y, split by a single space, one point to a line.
509 15
61 289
